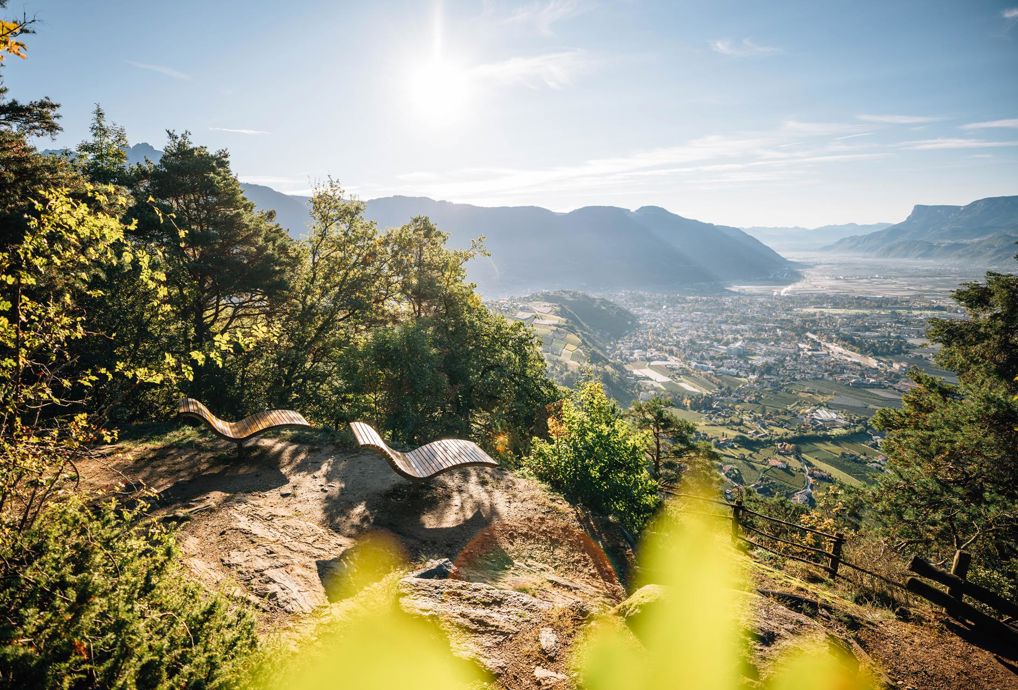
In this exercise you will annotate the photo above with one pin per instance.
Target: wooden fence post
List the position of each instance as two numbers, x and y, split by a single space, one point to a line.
835 561
960 568
736 517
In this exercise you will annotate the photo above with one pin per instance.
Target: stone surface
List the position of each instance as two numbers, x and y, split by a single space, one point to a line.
547 678
549 642
435 569
488 615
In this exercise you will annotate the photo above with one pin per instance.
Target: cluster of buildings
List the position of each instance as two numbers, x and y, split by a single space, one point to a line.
762 340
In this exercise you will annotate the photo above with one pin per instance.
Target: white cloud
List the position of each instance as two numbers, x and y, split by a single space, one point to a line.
161 69
784 155
552 70
820 129
946 143
1010 13
544 15
747 47
993 124
231 130
898 119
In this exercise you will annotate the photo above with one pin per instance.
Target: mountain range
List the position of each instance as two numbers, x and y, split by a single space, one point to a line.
799 239
983 232
592 248
602 248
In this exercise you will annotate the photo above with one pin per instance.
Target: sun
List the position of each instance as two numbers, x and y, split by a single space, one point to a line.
439 91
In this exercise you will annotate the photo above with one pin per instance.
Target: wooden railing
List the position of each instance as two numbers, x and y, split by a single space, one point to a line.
958 587
828 548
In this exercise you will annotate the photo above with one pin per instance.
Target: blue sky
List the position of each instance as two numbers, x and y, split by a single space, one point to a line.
744 113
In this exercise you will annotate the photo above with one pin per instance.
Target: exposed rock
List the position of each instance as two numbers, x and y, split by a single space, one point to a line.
547 678
632 609
549 642
435 569
489 615
273 555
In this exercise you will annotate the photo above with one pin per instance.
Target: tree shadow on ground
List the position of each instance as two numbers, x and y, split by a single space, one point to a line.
1003 649
182 475
431 519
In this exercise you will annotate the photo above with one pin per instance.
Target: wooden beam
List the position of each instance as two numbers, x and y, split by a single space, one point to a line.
928 570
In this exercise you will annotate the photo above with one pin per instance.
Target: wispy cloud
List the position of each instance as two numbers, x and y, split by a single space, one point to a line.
786 154
821 129
552 70
544 15
993 124
231 130
898 119
947 143
747 47
1010 13
161 69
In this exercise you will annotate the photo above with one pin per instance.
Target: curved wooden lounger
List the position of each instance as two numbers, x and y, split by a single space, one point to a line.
428 460
238 432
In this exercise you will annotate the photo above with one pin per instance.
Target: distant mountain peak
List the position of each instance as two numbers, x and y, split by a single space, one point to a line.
594 248
982 232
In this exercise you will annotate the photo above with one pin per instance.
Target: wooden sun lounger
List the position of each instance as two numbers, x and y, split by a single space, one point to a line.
428 460
238 432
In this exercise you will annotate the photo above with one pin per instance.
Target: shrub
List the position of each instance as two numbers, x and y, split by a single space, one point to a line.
90 598
596 459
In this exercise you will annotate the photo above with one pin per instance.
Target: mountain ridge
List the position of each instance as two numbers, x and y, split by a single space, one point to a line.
983 231
797 238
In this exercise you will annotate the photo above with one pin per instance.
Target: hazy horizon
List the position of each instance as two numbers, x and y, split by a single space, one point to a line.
743 115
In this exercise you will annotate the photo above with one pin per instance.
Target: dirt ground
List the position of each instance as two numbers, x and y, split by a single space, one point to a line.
272 525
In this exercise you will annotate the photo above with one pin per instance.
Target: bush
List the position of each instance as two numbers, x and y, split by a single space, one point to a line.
91 599
596 459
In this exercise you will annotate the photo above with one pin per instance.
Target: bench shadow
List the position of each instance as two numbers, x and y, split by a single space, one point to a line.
372 497
193 473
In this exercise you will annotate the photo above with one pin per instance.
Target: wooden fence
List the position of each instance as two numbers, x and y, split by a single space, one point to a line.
953 600
824 551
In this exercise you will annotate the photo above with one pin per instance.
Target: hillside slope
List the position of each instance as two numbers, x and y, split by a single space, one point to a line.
525 570
575 331
593 248
983 232
798 239
597 248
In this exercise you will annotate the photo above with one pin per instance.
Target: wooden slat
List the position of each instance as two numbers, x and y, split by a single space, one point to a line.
423 456
988 597
245 428
435 457
427 461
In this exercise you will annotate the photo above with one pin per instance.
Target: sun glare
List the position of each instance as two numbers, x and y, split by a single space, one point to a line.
439 91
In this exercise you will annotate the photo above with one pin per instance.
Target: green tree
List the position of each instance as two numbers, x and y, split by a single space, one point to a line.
670 435
227 264
596 459
437 361
103 157
428 277
336 290
953 449
23 171
47 393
